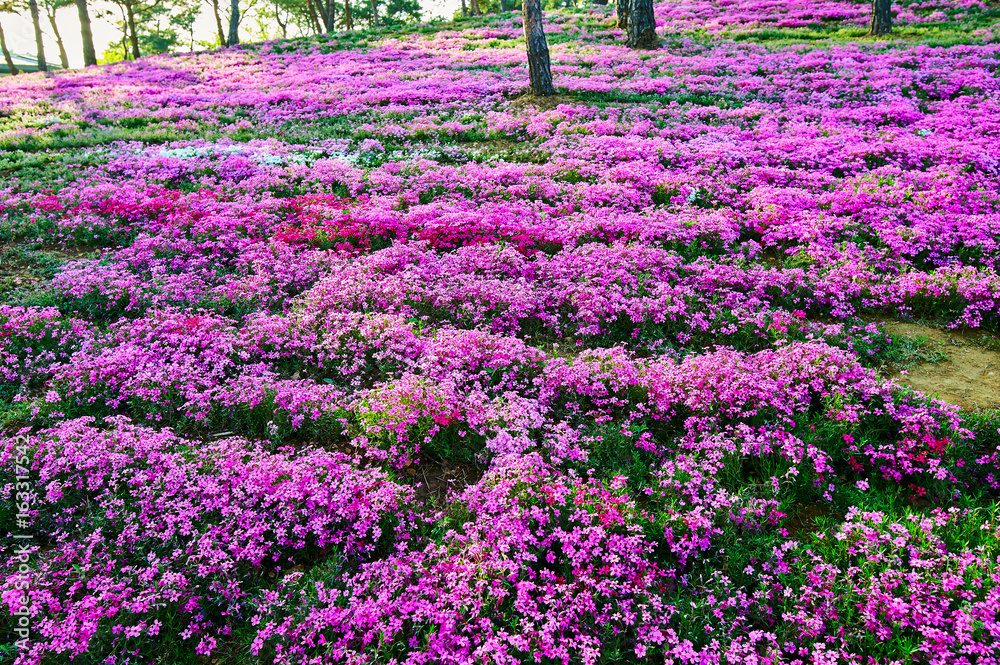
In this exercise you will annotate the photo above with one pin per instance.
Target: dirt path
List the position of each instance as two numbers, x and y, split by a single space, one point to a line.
968 377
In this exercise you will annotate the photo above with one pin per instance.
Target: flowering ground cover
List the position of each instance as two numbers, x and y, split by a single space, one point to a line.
337 351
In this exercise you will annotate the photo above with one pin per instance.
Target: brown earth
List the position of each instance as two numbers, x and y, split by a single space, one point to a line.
969 374
544 103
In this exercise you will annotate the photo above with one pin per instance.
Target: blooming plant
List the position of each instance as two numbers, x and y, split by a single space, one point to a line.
333 350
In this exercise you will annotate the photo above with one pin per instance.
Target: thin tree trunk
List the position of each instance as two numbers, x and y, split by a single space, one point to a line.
348 20
313 17
374 15
14 71
539 70
63 58
132 34
39 47
234 23
332 9
324 13
474 8
642 25
881 18
218 22
465 12
277 18
622 8
89 54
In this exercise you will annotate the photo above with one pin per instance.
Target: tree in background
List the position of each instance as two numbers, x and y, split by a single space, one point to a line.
150 26
622 8
401 11
301 14
881 18
7 7
89 54
51 7
390 12
327 10
234 23
641 28
539 69
216 12
39 46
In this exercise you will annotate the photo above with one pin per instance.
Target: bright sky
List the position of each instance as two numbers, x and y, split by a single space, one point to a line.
21 39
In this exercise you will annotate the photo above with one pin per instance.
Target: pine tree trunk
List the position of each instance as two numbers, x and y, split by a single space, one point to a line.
132 34
881 18
622 8
465 12
63 58
234 23
331 9
218 22
39 47
14 71
348 20
374 15
539 70
89 54
474 7
641 25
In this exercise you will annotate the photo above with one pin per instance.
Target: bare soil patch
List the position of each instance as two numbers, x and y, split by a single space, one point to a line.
543 103
969 376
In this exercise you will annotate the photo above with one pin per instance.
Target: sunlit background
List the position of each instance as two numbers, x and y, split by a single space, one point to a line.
259 23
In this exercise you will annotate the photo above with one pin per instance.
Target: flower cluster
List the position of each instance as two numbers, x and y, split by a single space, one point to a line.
343 354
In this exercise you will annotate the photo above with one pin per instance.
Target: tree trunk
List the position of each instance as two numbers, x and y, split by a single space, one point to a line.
465 12
641 25
504 5
323 8
881 18
234 23
89 54
331 16
14 71
539 70
348 20
313 17
218 22
277 17
622 8
474 8
374 15
39 47
63 58
132 34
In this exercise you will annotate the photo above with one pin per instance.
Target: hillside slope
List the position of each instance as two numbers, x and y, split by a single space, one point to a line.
340 350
